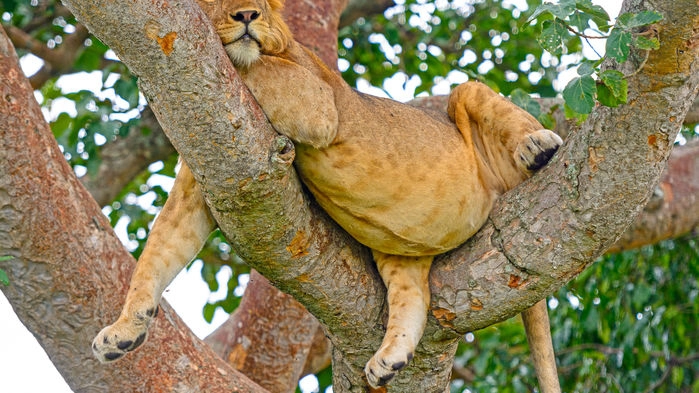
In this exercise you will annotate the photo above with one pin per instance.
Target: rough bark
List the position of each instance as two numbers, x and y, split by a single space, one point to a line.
69 272
540 236
673 210
312 20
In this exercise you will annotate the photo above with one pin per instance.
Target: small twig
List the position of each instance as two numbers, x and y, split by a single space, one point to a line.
585 36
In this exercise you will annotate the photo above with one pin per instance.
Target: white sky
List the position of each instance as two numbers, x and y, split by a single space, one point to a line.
24 366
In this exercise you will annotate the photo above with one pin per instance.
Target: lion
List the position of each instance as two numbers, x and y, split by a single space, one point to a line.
407 183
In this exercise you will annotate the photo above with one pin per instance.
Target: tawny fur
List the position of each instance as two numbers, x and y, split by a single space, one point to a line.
407 183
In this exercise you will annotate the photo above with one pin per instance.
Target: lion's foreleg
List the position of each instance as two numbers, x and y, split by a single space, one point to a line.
177 236
536 324
408 296
299 104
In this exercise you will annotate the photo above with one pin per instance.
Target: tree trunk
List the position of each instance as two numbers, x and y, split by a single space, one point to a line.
69 273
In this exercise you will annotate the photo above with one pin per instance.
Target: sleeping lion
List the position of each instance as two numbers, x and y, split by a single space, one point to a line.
407 183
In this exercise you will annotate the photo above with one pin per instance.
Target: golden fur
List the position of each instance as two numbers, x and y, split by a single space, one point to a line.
407 183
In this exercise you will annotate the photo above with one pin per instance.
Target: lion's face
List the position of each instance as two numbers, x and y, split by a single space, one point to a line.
248 28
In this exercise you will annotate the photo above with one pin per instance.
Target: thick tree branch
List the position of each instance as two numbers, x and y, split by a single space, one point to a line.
673 210
69 272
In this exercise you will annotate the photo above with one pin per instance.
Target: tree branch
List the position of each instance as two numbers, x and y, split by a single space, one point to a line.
56 61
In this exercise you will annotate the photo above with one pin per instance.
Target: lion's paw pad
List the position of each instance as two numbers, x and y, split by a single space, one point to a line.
383 366
116 340
536 149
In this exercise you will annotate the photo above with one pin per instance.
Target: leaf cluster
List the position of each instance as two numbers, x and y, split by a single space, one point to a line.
423 43
568 21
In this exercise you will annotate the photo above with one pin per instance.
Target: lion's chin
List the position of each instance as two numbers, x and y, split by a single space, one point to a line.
243 52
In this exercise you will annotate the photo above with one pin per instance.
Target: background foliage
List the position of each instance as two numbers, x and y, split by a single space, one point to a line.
628 324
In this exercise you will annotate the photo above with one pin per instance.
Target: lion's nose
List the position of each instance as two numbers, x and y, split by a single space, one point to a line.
245 16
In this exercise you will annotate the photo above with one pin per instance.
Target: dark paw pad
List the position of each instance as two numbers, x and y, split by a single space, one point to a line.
153 312
124 345
541 159
139 341
398 366
113 356
386 378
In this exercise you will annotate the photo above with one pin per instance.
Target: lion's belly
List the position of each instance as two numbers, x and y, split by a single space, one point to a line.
406 201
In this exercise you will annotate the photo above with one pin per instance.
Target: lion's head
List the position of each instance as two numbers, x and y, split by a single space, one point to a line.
249 28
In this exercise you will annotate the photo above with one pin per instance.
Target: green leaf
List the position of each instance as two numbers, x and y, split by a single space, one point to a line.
616 83
586 68
546 120
643 18
618 44
606 97
554 35
4 279
560 10
580 94
580 20
598 14
677 376
208 312
127 88
523 100
62 124
90 58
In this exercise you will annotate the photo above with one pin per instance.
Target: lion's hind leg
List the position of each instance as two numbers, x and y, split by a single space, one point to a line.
511 140
408 296
178 234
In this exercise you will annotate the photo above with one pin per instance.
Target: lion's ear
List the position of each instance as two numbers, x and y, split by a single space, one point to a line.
276 5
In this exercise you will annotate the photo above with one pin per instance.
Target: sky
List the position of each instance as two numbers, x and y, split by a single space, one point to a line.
22 360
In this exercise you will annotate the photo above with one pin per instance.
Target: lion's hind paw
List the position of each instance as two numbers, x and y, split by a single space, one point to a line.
116 340
384 365
536 149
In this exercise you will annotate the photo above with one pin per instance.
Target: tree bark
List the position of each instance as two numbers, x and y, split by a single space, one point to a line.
69 273
673 210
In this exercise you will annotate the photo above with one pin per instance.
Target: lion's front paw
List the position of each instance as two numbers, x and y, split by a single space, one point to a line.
385 363
124 336
536 149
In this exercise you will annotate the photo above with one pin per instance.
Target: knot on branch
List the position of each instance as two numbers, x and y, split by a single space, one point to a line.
284 152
